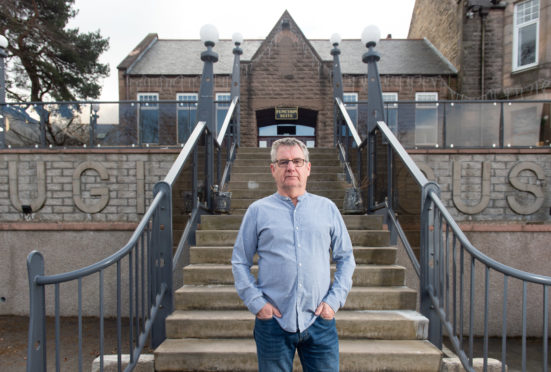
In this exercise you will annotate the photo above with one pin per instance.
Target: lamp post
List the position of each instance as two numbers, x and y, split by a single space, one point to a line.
94 123
237 39
3 54
205 110
337 80
370 37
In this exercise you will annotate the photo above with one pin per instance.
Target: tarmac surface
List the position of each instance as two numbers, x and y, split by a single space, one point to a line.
14 333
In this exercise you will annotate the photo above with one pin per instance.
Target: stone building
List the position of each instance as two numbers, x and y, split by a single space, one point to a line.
286 69
501 49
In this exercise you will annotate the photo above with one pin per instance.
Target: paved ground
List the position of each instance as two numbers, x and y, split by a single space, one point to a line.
13 342
13 345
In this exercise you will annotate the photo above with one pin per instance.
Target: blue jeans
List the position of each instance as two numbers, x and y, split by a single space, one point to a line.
317 346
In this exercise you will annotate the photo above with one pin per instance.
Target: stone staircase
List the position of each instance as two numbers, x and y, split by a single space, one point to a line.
211 330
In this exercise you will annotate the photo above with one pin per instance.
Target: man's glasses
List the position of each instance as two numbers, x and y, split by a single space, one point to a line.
285 162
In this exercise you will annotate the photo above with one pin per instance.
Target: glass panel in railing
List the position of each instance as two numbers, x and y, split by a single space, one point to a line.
123 132
21 125
108 126
380 181
526 124
186 116
472 124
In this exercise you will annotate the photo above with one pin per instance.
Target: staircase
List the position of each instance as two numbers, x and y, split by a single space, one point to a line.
211 330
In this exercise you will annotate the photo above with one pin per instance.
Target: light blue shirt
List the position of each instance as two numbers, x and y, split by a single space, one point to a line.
294 247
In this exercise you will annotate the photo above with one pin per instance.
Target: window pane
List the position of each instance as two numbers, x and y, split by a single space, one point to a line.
527 45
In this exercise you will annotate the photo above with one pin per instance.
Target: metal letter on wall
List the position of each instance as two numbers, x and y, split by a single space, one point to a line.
37 203
533 189
102 192
456 191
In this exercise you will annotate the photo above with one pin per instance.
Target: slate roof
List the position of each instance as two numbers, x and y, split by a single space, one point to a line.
398 57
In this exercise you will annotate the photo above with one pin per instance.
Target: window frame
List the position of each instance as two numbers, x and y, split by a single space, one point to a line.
517 28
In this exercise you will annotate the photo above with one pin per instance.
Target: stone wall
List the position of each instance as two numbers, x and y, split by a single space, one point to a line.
491 185
440 22
79 185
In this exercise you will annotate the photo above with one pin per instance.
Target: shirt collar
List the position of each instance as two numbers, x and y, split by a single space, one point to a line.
286 198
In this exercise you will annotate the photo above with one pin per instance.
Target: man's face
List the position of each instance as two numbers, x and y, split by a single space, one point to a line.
290 180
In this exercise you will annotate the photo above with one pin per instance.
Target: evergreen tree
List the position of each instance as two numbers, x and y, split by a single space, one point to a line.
47 60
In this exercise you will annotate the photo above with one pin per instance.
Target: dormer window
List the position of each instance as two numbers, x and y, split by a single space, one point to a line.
526 34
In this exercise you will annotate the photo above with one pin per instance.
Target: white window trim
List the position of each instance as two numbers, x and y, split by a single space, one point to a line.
390 97
219 97
144 105
346 101
516 28
180 98
421 97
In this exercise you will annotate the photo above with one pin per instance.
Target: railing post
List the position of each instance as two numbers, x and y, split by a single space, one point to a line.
36 346
428 265
162 231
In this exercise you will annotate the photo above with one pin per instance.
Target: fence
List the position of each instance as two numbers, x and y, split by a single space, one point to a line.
152 269
447 264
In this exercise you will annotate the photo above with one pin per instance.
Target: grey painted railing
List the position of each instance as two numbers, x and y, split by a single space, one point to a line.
449 266
152 269
149 292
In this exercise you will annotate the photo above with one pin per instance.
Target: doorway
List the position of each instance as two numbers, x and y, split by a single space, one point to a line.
298 122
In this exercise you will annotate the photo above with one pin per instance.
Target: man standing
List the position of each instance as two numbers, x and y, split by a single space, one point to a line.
295 234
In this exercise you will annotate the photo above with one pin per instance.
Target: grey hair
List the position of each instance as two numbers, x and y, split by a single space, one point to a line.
289 141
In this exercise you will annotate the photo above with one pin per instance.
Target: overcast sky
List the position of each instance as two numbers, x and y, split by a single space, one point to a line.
127 22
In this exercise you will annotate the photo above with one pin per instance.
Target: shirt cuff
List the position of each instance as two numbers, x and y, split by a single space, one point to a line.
330 300
256 305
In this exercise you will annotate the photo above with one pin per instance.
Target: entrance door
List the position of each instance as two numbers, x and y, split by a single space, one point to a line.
271 128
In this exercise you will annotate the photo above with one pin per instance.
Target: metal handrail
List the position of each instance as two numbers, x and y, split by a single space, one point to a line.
440 234
178 164
348 122
106 262
226 123
488 261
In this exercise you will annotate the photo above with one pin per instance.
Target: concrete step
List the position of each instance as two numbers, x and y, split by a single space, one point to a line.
216 238
230 222
364 275
240 355
264 176
388 325
363 255
224 297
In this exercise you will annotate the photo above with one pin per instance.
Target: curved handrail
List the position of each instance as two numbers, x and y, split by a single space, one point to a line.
348 121
488 261
108 261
